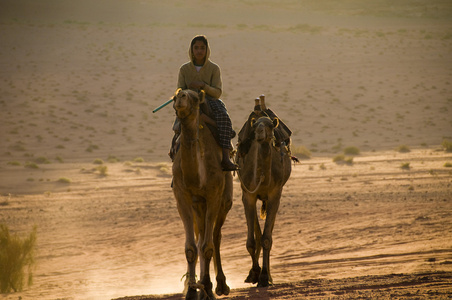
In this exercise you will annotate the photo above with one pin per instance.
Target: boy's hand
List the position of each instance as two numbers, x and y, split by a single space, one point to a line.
197 85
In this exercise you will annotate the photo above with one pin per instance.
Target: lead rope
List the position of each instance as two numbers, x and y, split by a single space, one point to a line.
261 179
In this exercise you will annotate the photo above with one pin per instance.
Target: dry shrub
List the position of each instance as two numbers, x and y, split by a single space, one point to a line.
403 149
16 259
352 150
447 145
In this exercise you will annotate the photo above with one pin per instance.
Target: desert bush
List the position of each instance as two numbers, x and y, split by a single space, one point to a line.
112 159
405 166
342 159
339 158
18 147
14 163
102 170
98 161
138 159
41 160
301 152
403 149
64 180
16 259
447 145
31 165
351 150
448 165
91 148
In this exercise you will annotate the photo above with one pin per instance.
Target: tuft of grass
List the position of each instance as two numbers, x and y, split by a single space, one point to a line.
16 260
102 170
31 165
98 161
447 145
322 166
339 158
91 148
405 166
64 180
41 160
112 159
351 150
19 146
448 165
138 160
342 159
301 152
14 163
403 149
349 161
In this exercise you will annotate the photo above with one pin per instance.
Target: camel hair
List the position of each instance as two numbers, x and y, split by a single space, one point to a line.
263 170
203 192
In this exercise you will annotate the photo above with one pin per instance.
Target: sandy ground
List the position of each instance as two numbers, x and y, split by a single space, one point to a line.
83 157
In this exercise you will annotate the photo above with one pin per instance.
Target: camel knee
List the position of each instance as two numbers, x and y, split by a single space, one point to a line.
208 252
267 242
191 254
251 245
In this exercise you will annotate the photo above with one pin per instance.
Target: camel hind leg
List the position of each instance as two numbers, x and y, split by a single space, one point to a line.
222 288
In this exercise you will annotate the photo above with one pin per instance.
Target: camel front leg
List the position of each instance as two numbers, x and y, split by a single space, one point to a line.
267 240
207 248
249 203
191 255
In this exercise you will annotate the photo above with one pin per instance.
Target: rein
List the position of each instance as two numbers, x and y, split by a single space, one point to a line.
261 179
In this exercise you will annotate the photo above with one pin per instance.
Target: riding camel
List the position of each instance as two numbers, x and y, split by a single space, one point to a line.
203 192
264 167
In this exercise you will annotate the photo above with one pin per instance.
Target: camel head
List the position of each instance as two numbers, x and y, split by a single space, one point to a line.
264 129
186 102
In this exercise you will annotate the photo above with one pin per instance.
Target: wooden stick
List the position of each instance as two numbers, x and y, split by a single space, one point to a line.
263 106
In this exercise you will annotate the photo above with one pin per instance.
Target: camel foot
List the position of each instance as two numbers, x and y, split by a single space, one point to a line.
253 276
264 280
192 294
206 293
222 288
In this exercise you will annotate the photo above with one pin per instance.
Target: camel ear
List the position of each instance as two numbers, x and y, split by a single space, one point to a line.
252 121
202 96
275 122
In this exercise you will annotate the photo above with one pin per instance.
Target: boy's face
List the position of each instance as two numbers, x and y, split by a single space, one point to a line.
199 51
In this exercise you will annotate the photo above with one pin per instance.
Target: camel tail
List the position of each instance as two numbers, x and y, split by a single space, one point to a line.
264 209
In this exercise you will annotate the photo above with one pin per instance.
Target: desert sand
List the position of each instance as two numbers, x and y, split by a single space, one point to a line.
84 159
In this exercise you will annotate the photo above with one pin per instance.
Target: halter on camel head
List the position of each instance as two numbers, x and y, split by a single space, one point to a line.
182 99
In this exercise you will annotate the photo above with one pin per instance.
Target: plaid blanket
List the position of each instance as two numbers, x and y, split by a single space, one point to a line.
224 124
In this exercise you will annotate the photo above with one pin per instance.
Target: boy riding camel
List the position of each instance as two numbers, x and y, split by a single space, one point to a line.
200 73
